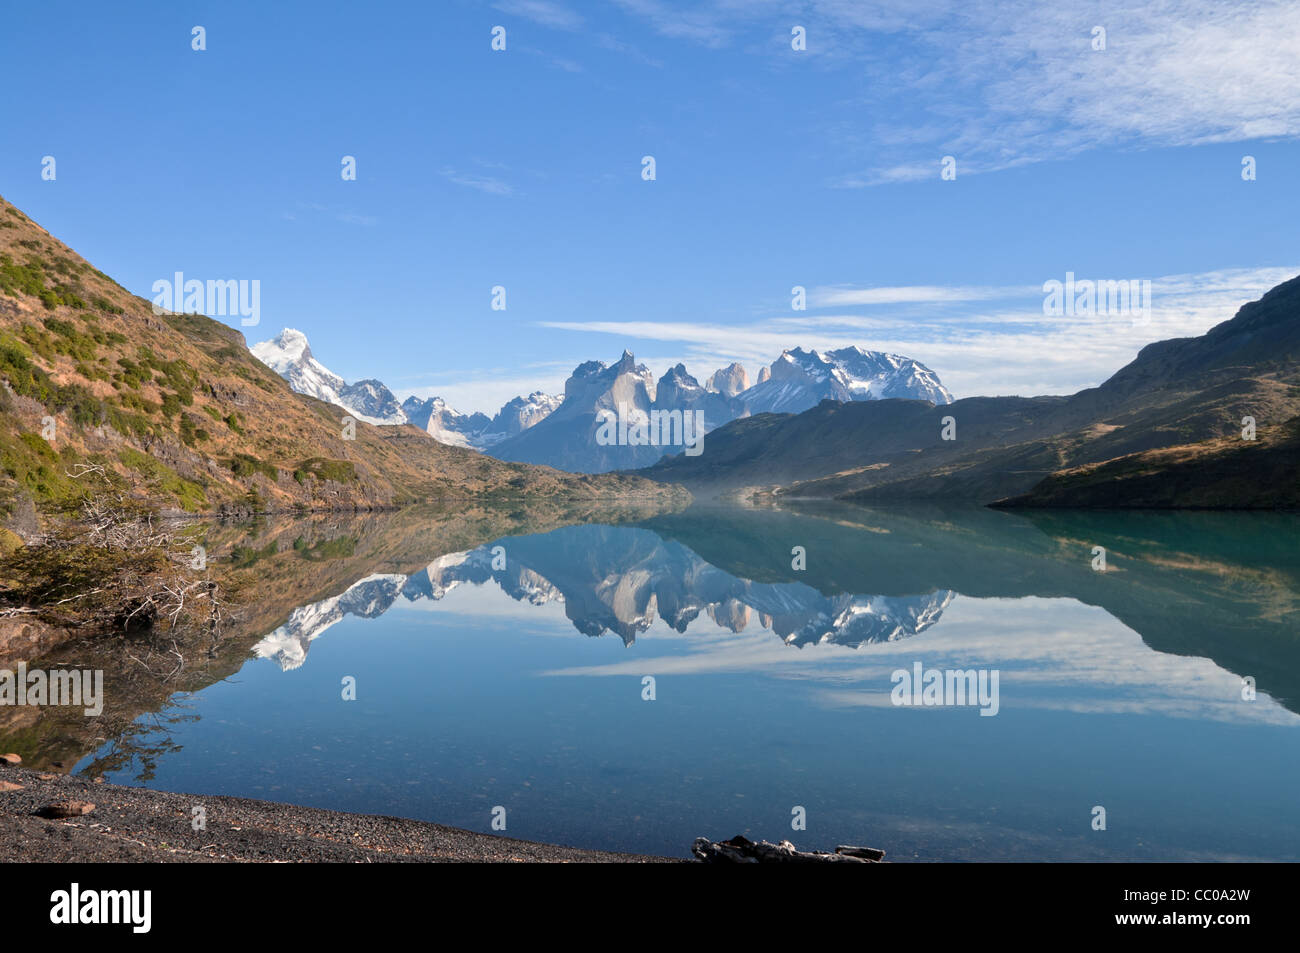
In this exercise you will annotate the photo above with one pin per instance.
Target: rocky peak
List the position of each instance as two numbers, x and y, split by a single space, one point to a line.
728 381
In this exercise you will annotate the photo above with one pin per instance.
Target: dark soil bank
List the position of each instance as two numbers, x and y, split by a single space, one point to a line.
139 825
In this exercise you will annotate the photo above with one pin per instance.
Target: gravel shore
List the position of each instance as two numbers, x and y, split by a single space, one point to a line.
135 825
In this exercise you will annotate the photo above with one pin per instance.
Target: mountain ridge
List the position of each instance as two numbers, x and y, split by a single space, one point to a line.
1182 399
797 379
568 439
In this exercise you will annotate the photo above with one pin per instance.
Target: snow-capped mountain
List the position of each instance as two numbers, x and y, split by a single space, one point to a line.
796 381
368 598
802 379
678 390
567 437
621 580
289 355
444 424
372 401
523 412
561 431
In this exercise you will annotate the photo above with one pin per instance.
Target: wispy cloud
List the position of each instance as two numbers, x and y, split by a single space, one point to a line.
832 297
623 48
563 63
352 218
1006 83
554 15
340 215
980 341
688 22
484 183
1171 75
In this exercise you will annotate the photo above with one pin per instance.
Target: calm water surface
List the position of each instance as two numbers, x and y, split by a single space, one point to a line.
511 674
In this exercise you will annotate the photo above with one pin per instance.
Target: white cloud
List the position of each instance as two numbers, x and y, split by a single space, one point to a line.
1000 84
909 294
545 12
1011 347
687 22
483 183
352 218
1051 653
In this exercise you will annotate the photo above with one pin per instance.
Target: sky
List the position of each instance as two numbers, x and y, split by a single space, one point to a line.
775 167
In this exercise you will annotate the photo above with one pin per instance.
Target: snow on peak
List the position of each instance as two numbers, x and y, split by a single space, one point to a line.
289 355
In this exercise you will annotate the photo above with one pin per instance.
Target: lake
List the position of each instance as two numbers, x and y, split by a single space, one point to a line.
631 681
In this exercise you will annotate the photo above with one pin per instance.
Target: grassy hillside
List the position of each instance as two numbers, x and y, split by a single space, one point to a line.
1228 473
175 410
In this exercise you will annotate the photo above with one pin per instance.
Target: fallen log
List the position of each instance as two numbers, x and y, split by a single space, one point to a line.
742 850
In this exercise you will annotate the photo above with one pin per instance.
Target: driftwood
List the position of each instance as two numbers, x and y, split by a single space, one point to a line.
742 850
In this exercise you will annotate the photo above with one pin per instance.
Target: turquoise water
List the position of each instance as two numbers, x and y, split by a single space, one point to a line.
512 676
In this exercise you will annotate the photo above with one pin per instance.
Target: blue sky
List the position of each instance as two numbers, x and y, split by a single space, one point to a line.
775 168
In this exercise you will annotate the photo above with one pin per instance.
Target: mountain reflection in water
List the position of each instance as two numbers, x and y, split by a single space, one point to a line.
1124 688
620 580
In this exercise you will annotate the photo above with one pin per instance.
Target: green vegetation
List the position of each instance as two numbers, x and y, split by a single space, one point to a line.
254 378
190 434
30 278
245 467
78 404
39 470
74 342
136 402
339 548
102 303
188 494
92 372
9 542
244 556
230 420
320 468
177 375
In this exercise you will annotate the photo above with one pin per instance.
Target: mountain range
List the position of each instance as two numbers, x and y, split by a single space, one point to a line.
477 430
1211 421
561 431
178 409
